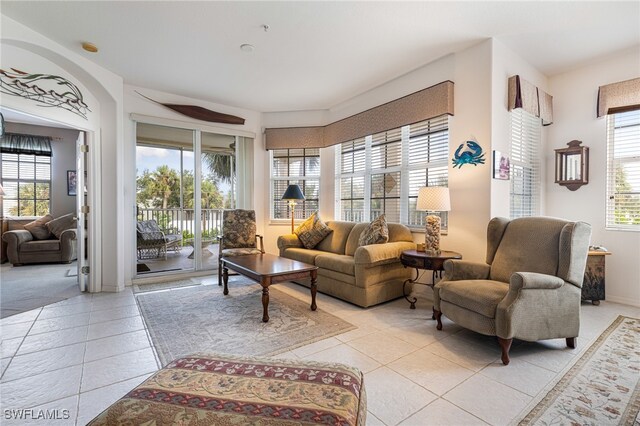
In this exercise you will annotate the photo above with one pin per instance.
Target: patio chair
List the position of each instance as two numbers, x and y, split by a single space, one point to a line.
153 243
238 237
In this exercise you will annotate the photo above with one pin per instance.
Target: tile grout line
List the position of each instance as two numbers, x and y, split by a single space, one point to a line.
21 342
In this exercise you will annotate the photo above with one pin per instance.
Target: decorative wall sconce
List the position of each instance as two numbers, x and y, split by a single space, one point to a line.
572 165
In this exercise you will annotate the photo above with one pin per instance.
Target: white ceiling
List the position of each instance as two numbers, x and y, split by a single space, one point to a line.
317 54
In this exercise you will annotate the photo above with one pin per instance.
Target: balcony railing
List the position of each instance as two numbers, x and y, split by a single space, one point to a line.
176 220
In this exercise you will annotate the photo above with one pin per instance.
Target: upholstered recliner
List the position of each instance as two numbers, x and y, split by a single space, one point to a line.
529 287
238 237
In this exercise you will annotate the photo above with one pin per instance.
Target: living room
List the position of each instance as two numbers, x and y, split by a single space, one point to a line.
479 67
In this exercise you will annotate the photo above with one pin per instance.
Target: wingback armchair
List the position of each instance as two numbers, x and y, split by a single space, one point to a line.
529 287
238 237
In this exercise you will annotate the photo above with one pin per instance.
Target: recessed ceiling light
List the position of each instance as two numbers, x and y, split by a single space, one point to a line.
247 48
89 47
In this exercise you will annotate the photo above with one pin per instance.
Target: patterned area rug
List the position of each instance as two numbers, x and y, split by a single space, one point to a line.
202 319
602 387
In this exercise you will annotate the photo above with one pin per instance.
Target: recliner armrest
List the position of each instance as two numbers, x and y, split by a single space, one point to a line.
67 235
533 280
17 237
455 270
386 252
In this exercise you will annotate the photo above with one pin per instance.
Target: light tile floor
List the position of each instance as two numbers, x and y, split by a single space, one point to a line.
84 353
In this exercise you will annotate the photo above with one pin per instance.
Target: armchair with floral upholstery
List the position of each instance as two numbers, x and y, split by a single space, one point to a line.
528 289
238 237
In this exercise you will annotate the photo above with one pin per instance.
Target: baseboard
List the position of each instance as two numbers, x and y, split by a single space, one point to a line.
623 301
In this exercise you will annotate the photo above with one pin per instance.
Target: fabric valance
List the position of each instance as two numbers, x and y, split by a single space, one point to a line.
13 143
419 106
619 97
530 98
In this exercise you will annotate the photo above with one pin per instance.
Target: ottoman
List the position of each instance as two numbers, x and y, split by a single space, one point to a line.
206 389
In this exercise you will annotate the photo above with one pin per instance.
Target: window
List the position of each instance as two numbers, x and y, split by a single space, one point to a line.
295 166
382 173
623 171
525 164
26 180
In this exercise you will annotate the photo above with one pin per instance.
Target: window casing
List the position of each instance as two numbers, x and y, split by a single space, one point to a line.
525 164
623 171
295 166
382 173
26 180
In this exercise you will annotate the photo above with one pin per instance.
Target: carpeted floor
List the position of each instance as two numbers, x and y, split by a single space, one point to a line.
202 319
602 387
23 288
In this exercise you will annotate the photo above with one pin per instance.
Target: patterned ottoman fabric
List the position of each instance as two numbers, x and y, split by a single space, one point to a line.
206 389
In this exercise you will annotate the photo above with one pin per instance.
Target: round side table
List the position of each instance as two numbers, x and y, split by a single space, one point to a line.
423 260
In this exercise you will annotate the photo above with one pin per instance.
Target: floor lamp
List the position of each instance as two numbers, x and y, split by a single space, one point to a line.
293 194
433 199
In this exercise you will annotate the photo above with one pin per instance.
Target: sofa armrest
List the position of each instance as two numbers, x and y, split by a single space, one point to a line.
532 280
455 270
288 241
381 253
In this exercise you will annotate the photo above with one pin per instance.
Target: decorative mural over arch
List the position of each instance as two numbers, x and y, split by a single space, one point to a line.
50 91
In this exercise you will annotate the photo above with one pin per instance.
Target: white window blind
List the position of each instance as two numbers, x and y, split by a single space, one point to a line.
382 173
26 180
295 166
525 164
623 171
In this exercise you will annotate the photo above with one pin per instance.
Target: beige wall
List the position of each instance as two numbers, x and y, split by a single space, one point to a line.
63 146
574 96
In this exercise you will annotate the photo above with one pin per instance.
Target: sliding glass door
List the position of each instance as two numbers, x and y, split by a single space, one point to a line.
184 180
165 177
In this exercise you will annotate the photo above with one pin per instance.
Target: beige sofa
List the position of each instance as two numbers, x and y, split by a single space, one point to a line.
365 275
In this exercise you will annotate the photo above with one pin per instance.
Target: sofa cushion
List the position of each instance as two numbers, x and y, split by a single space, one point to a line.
312 231
376 233
336 241
56 226
303 255
481 296
354 236
40 245
38 227
336 262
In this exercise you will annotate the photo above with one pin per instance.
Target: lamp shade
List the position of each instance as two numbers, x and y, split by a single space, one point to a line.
293 192
434 198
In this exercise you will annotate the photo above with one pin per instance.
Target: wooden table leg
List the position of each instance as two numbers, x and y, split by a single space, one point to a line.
314 289
225 280
265 303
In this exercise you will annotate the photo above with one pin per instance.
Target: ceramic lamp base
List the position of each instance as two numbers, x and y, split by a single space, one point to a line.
432 235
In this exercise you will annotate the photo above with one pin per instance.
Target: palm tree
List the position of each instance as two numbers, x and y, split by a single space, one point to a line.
220 165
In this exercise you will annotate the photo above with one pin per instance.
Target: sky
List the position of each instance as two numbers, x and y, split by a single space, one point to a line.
149 158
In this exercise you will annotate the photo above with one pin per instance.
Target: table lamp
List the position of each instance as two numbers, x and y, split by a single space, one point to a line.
293 194
433 199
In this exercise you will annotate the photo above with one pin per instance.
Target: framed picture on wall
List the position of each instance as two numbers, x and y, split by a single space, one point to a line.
71 182
501 166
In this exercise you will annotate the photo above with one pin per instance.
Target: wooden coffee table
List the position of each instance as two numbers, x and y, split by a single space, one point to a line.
269 269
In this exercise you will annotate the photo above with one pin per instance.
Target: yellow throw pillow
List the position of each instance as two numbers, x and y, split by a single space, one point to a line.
38 228
312 231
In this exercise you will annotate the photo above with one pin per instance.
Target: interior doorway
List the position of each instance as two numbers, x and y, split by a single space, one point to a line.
42 186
